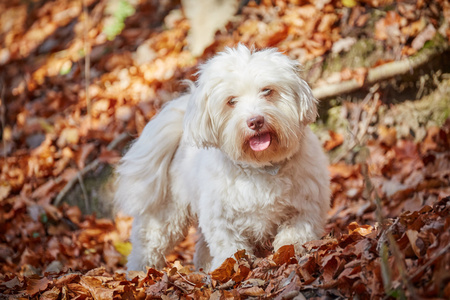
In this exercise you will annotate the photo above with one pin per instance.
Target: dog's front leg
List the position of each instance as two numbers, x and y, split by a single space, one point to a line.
226 248
299 230
223 242
144 253
155 233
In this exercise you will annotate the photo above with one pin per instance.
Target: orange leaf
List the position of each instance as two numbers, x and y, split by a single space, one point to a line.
284 254
224 272
360 229
240 254
241 274
387 136
342 170
335 140
153 273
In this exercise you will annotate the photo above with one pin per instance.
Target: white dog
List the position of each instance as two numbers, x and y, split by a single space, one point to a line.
236 156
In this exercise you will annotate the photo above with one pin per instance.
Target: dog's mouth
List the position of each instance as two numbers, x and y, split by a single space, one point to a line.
260 142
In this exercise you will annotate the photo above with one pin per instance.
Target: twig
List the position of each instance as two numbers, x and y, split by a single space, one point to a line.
185 279
3 114
391 243
383 244
380 73
372 111
83 190
357 137
93 165
87 61
400 262
429 262
230 283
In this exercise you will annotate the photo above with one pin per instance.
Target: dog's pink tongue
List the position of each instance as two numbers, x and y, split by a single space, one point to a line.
260 142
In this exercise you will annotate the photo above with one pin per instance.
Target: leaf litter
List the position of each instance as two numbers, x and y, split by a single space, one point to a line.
388 228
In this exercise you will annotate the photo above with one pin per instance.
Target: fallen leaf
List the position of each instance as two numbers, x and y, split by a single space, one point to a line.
412 236
224 272
52 294
342 170
284 255
241 273
427 34
360 229
5 189
36 285
349 3
335 140
387 136
254 291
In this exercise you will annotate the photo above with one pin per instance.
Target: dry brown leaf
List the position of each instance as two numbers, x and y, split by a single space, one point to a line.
225 271
36 285
241 274
254 291
52 294
385 26
387 136
66 279
430 139
360 229
335 140
43 64
342 170
412 236
240 254
284 255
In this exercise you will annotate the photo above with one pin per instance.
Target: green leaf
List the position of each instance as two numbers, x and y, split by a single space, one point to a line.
123 248
116 22
44 218
65 68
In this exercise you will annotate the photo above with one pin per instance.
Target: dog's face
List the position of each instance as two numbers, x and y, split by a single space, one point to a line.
251 105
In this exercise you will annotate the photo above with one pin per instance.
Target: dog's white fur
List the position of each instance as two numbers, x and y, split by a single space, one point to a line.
193 163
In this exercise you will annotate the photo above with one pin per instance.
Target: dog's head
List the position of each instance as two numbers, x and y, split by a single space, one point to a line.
250 104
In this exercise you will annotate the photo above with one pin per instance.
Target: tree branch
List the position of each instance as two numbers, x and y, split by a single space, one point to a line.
380 73
88 168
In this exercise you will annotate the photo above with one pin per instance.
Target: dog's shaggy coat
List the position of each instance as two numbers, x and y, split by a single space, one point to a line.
234 155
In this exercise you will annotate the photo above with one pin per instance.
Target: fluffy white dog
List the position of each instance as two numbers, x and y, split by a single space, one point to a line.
236 156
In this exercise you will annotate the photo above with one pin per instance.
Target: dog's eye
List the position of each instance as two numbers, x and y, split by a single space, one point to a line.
231 101
266 92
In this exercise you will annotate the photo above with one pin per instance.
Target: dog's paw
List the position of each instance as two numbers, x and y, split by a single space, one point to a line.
299 249
137 263
295 240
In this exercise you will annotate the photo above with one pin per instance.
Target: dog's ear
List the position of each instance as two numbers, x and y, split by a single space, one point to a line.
307 103
198 124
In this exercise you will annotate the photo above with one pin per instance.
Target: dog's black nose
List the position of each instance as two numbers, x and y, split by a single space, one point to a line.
255 123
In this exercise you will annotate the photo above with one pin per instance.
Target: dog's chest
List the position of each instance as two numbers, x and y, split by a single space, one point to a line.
258 194
257 205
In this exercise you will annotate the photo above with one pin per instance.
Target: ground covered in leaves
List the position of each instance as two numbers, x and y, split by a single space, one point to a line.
63 110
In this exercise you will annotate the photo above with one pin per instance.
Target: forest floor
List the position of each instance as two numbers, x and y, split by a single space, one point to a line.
80 79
